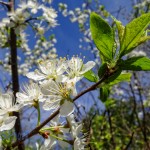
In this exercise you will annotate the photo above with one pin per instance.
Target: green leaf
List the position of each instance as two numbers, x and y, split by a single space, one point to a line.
104 93
133 32
90 75
103 36
113 77
110 102
102 70
120 28
142 40
124 77
140 63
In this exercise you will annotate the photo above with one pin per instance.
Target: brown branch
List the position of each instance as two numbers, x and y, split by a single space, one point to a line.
128 145
111 129
7 4
14 70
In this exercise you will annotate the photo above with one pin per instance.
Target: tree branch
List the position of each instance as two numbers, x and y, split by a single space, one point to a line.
14 70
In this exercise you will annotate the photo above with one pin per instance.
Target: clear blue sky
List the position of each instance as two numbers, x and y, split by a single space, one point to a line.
68 34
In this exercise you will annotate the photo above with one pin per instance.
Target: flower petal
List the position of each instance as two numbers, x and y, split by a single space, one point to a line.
36 75
8 123
66 108
88 66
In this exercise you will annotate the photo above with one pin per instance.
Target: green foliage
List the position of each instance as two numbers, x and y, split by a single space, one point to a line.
116 126
120 28
114 75
91 76
133 34
102 70
136 63
124 77
104 93
130 36
117 78
103 36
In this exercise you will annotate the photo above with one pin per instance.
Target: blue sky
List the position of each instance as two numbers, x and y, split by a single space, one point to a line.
68 34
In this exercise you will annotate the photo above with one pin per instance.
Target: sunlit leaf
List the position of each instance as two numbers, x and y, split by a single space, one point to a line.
103 36
90 75
140 63
133 32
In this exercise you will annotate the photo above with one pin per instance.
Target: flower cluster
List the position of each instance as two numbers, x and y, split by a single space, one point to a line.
57 79
26 12
54 87
40 17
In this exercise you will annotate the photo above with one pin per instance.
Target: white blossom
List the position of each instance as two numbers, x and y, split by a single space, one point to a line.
79 144
77 68
30 95
33 6
49 14
7 104
52 69
18 18
58 130
79 141
49 143
57 94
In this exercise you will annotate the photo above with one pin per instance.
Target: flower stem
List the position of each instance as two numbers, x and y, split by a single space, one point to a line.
39 114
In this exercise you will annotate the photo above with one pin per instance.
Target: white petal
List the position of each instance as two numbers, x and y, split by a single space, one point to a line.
3 112
66 108
78 129
21 97
8 123
47 142
15 108
36 76
50 142
78 145
50 106
88 66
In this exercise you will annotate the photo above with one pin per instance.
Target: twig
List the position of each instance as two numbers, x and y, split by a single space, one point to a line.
5 3
126 148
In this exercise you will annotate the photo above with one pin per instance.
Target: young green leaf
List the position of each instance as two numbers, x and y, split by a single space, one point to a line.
133 32
142 40
104 93
124 77
113 77
140 63
90 75
110 103
120 28
103 36
102 70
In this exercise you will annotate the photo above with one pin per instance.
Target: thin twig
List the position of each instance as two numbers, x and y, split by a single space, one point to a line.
126 148
5 3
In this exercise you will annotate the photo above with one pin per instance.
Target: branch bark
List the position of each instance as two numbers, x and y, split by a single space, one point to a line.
15 78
